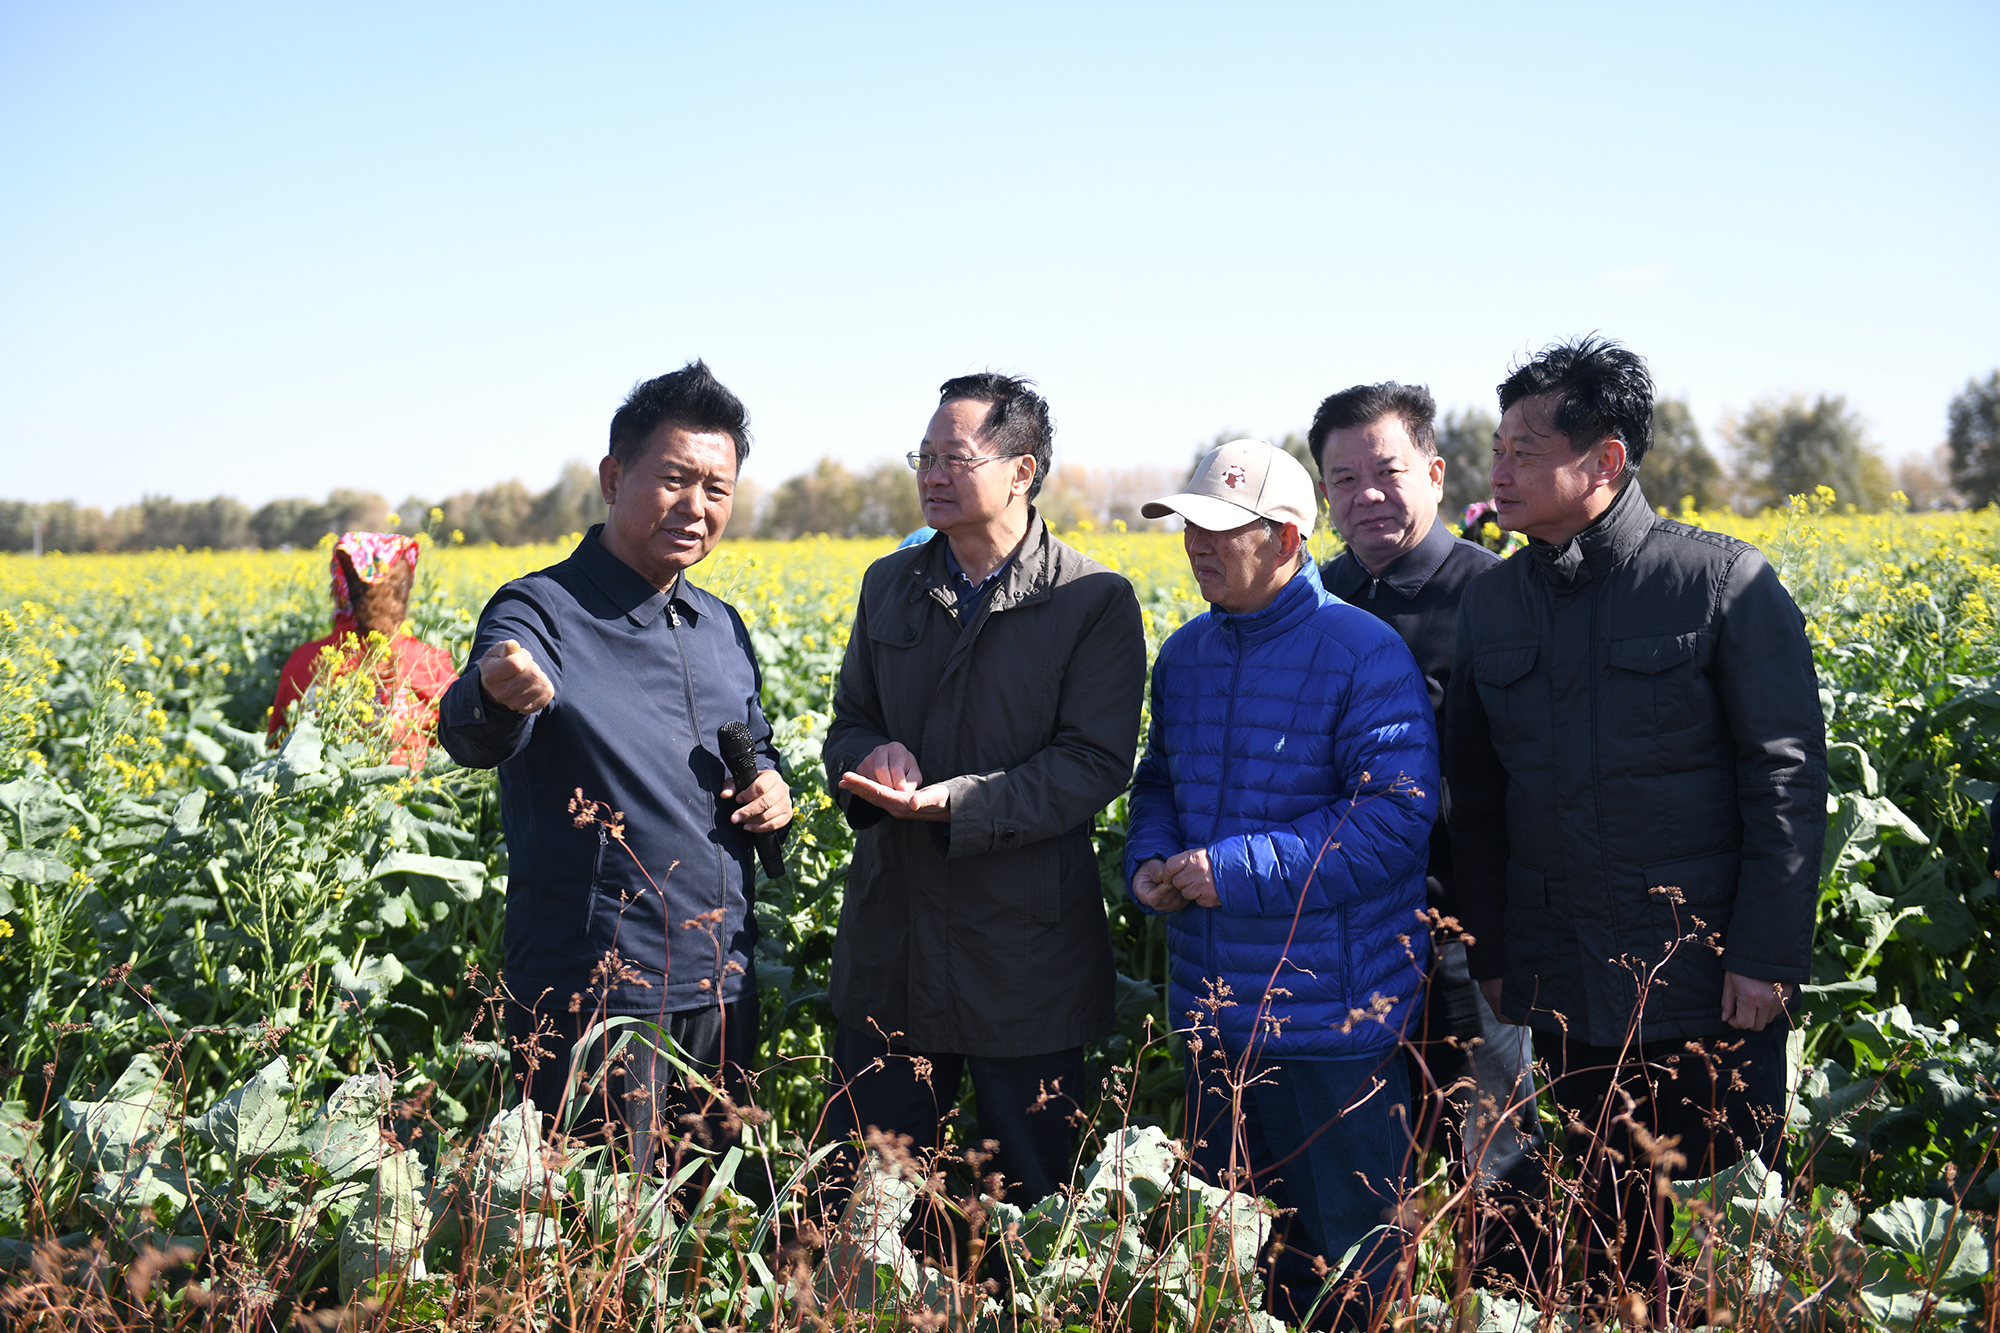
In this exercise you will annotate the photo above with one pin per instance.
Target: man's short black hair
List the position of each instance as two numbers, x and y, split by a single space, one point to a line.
1600 388
692 398
1016 423
1366 404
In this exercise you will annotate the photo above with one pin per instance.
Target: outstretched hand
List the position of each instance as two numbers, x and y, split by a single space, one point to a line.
890 779
510 677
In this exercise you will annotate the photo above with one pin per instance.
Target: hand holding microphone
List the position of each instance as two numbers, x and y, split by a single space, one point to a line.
766 801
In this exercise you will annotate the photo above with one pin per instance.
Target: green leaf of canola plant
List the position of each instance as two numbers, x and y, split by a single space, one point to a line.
464 880
1951 1254
386 1232
37 809
253 1121
33 867
128 1122
1856 827
370 984
345 1139
506 1184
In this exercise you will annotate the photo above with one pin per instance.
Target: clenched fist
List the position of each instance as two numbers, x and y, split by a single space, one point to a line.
509 677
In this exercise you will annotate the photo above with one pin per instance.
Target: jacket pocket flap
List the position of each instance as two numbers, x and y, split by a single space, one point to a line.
1710 878
1652 653
1504 666
1525 887
894 624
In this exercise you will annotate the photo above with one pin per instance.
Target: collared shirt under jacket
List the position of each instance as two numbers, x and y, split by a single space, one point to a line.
986 936
643 679
1638 777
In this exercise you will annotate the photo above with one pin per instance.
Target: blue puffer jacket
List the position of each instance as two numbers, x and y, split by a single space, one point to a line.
1296 745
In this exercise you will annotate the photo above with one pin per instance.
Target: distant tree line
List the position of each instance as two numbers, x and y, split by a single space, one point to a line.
508 513
1775 448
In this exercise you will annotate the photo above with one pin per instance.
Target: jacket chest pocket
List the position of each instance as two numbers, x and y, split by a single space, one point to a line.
1507 689
1656 684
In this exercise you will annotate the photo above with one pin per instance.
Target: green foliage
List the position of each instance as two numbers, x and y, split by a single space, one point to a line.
1973 438
248 1024
1465 442
1678 467
1787 447
1138 1243
832 500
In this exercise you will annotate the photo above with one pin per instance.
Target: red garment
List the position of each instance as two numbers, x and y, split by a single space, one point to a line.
417 674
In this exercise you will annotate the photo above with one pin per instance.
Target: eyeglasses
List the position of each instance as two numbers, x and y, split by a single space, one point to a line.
956 464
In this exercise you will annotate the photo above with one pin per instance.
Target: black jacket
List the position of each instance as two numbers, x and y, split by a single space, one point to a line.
986 936
1418 596
1633 712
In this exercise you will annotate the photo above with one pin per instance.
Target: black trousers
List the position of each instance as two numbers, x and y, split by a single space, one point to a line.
1721 1096
636 1099
1025 1103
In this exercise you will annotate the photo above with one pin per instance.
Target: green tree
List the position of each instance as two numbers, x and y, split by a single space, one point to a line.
1974 441
573 504
885 501
1465 441
292 521
826 499
1678 464
498 514
1786 447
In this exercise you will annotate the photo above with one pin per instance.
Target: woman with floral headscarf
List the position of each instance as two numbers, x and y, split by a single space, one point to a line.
372 576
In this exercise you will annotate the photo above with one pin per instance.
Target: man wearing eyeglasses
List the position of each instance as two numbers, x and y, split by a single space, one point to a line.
987 709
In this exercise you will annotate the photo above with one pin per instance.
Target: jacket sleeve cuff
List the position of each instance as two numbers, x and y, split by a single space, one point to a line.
475 731
973 830
1758 969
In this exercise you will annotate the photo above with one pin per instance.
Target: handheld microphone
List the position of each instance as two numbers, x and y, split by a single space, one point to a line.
739 752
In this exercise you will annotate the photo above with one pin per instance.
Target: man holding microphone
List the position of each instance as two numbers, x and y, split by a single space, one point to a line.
600 686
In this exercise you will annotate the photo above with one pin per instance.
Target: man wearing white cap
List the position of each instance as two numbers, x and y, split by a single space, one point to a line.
1282 817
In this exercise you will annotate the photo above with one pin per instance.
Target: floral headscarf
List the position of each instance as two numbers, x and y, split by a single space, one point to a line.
1482 515
373 555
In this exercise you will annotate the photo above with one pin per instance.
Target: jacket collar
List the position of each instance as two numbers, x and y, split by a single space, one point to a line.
1599 548
1295 602
1407 573
637 600
1026 579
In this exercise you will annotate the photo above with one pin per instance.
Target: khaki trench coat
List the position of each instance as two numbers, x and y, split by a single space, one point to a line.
986 936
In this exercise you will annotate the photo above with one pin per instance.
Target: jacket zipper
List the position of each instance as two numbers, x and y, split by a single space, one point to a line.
596 875
721 861
1222 785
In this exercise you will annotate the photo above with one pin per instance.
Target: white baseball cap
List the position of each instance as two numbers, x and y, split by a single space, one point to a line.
1240 482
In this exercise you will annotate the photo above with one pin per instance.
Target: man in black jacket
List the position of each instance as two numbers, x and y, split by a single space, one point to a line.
1376 449
1637 761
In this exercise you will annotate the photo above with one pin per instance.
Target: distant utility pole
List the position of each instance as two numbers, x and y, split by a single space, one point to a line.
38 539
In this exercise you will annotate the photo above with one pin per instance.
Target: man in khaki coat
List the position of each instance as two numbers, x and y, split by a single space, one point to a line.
987 709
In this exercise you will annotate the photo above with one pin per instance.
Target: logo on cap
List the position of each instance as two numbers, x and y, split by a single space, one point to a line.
1235 477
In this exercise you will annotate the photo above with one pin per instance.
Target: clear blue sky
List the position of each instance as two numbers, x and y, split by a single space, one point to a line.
270 249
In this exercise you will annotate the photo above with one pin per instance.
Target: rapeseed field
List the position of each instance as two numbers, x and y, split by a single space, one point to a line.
186 919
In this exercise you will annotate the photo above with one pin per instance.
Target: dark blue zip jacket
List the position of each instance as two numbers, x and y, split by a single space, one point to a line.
642 681
1296 745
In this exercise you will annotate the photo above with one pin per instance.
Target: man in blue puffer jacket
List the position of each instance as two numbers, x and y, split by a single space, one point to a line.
1282 814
